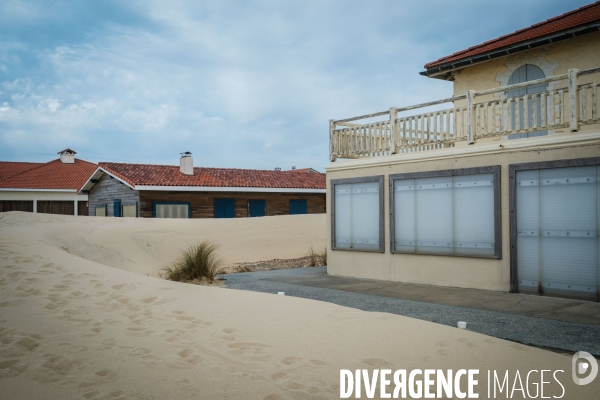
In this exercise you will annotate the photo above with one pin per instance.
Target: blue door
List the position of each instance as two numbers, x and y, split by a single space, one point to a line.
117 207
298 207
257 208
224 208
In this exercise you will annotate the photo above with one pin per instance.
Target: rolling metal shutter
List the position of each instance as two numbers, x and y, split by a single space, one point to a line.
557 231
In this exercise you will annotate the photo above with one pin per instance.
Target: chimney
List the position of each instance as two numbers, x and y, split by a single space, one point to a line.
277 168
186 163
293 167
67 156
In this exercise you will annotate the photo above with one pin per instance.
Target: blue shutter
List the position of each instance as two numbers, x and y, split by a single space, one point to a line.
117 207
298 207
257 208
224 208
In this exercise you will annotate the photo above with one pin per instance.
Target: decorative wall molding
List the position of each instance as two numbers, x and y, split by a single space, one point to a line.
534 57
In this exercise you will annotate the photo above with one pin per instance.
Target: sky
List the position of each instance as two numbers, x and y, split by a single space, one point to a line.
240 84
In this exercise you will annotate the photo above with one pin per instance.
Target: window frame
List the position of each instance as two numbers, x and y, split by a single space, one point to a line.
232 199
305 201
493 169
134 203
101 206
264 202
512 202
155 203
364 179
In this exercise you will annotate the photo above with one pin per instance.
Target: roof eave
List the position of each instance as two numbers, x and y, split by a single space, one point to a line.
443 71
87 186
228 189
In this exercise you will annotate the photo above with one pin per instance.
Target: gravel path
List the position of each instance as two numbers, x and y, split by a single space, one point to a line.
551 334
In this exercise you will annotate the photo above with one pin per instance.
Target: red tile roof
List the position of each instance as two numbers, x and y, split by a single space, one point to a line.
573 19
10 168
169 175
51 175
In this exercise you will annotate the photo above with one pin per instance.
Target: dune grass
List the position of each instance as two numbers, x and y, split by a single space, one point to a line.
317 257
195 263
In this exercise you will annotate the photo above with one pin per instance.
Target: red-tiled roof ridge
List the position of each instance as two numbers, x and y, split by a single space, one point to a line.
169 175
10 168
301 170
53 175
572 19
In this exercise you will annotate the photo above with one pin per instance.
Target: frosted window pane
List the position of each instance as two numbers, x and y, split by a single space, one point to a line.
557 227
474 214
445 215
434 215
129 211
357 216
172 211
365 215
404 214
528 222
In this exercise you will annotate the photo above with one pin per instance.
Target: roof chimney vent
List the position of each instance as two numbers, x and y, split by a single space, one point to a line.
277 168
67 156
293 167
186 163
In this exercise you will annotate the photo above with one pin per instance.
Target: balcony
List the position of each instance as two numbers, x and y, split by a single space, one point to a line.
569 103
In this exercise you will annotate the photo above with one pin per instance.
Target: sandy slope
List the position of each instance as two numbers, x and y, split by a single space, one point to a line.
74 328
146 245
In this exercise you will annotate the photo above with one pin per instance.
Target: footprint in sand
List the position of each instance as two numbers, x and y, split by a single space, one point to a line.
466 341
185 359
230 334
11 368
55 368
108 375
138 331
291 360
378 363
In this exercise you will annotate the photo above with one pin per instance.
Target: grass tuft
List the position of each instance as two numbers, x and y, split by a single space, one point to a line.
317 257
323 256
313 257
197 262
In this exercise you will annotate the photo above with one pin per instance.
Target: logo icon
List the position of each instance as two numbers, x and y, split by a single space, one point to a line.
582 363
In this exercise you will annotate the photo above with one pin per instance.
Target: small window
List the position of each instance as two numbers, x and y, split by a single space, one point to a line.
101 210
172 210
525 73
257 208
357 214
117 207
224 208
129 210
453 212
298 206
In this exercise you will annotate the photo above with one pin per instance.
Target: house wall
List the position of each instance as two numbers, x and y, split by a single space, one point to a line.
582 52
203 202
10 198
106 190
480 273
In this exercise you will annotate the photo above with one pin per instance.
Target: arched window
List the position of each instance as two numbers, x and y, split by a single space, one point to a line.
525 73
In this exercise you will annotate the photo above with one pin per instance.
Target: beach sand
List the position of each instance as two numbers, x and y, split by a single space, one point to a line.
80 319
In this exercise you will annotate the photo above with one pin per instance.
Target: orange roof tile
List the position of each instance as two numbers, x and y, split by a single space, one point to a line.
51 175
573 19
169 175
10 168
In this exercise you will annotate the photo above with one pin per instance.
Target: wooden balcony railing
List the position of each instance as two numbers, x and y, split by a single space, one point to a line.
495 115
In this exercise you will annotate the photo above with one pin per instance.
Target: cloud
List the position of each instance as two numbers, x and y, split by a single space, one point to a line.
240 84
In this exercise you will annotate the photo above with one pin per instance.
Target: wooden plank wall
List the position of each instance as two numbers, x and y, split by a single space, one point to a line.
16 205
56 207
203 202
82 208
106 191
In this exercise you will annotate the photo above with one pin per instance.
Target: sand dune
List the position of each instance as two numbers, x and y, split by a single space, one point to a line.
146 245
88 328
